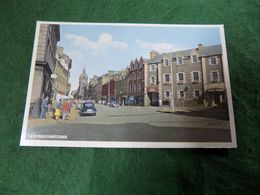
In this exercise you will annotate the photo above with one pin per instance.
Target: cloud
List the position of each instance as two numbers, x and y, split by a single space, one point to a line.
159 46
105 41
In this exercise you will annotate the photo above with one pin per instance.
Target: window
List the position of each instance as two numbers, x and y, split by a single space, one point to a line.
130 88
179 60
181 76
152 80
142 87
194 58
152 67
167 77
195 76
167 94
141 76
214 77
213 60
166 62
181 94
196 93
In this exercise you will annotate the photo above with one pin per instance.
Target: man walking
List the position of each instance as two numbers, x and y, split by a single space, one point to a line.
44 107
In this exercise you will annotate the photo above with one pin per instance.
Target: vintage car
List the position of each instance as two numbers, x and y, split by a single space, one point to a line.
88 109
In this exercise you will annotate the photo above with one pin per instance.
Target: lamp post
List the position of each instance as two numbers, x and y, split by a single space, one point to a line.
120 101
53 82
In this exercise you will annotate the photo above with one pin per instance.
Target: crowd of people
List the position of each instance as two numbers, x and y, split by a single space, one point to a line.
56 108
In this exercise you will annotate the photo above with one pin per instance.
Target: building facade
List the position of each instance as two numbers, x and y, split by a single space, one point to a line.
92 92
82 92
62 70
136 82
121 86
109 86
49 35
186 78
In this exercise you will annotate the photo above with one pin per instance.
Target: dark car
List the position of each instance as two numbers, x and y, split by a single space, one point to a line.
88 109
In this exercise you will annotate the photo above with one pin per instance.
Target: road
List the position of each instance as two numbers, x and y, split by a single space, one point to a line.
141 124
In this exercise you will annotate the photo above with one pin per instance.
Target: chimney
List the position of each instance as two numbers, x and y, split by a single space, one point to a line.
200 46
153 54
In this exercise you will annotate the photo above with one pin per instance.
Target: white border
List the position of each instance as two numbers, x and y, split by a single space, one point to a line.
110 144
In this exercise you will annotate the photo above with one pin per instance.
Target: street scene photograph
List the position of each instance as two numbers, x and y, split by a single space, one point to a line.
129 85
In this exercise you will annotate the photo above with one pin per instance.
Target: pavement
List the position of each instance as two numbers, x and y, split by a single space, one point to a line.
132 123
49 120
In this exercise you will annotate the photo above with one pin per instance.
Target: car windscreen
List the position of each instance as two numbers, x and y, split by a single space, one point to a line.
88 105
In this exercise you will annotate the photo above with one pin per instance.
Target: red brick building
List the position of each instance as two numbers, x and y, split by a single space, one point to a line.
108 91
136 82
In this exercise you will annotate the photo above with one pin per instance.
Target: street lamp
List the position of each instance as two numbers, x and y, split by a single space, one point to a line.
120 92
53 82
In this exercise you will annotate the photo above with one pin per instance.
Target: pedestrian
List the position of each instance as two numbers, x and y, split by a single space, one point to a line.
64 109
49 107
44 107
54 107
57 114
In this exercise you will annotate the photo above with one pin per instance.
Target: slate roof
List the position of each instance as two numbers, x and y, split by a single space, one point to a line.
211 50
156 59
204 51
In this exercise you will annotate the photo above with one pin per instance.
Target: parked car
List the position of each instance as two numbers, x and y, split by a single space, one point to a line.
88 109
115 105
112 104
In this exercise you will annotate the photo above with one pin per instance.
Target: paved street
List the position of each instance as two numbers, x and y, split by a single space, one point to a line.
132 123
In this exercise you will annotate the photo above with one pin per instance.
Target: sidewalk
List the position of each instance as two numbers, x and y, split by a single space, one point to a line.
176 109
217 112
49 120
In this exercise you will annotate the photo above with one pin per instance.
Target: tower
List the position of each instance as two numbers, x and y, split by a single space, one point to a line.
83 84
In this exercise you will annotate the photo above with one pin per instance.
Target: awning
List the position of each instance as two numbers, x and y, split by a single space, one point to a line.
215 90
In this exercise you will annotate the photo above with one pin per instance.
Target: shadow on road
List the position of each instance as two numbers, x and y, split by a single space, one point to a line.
124 115
219 112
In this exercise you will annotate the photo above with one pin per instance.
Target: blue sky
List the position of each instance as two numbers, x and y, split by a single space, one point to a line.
102 48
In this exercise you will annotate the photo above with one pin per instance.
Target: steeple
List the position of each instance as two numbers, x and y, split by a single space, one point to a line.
84 71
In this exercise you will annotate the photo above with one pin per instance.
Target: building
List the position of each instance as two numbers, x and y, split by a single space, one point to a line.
136 82
82 92
108 85
121 86
62 70
186 78
42 87
92 92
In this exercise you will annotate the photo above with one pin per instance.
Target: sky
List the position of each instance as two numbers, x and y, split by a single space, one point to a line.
100 48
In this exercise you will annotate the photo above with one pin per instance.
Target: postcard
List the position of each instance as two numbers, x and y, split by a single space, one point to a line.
116 85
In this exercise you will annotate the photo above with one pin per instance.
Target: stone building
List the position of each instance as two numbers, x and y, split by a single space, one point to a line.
92 92
186 78
62 70
121 86
49 35
82 92
136 82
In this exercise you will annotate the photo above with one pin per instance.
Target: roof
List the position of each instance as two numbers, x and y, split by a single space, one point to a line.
211 50
156 59
204 51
